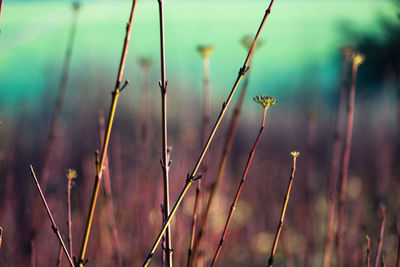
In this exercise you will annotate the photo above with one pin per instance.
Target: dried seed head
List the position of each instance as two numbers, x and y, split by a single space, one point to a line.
71 174
265 101
348 52
205 50
145 62
358 59
247 41
295 154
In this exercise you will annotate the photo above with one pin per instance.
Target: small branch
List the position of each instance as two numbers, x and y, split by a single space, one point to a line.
381 234
53 224
225 105
233 206
368 256
285 202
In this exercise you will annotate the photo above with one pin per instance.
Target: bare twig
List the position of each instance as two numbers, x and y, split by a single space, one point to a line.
284 206
233 206
53 224
335 161
381 234
99 171
192 176
165 161
357 60
368 256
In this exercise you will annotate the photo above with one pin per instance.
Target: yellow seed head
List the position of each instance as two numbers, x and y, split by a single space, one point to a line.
265 101
358 59
205 50
295 154
71 174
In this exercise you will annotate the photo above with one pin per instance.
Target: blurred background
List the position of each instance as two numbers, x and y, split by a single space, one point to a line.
299 61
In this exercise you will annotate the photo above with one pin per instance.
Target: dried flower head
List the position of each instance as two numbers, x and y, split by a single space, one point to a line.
247 41
295 154
71 174
145 62
205 50
265 101
358 59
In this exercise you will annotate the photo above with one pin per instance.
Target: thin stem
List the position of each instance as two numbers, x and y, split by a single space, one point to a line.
192 175
53 224
335 162
233 206
398 247
1 8
221 167
115 95
368 256
110 204
205 129
165 160
69 220
345 167
60 253
284 206
381 234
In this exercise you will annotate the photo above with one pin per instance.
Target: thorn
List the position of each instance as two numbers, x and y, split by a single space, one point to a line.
169 163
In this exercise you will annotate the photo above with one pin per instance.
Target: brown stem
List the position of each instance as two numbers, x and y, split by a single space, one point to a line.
205 129
239 190
114 102
345 167
335 162
381 234
284 206
221 167
55 117
60 253
192 176
368 256
165 160
69 220
110 204
398 247
53 224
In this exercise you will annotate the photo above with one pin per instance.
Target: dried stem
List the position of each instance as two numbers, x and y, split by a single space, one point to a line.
284 206
1 235
398 247
110 204
335 162
368 256
221 167
99 171
233 206
165 161
1 8
53 224
55 117
69 220
205 53
60 253
346 160
381 234
192 176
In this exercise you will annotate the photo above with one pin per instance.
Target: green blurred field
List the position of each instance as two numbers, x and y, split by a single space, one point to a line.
301 38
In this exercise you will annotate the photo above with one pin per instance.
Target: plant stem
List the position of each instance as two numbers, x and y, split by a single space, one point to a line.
192 177
99 172
205 129
284 206
345 167
233 206
381 234
69 220
221 167
398 247
1 8
109 202
165 160
60 253
53 224
368 257
335 162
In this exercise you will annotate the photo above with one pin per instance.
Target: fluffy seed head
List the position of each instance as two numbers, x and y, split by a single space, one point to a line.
358 59
265 101
205 50
71 174
295 154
